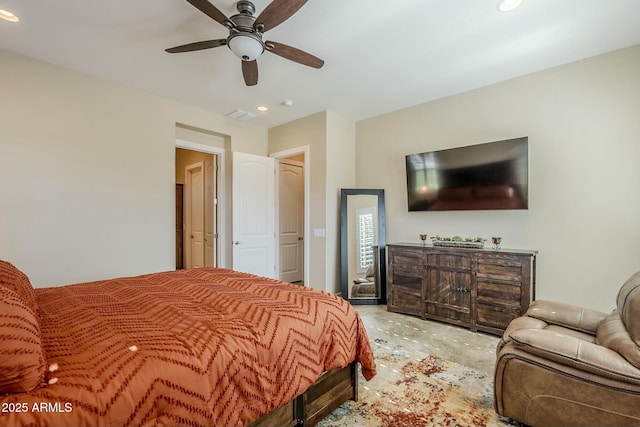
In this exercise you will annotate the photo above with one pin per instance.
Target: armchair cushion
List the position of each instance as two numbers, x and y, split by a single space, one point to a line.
370 274
628 302
577 353
570 316
613 334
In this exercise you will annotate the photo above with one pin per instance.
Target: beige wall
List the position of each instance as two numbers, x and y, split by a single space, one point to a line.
74 208
341 156
88 177
202 136
583 124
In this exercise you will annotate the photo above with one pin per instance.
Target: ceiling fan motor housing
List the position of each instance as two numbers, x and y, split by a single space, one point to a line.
244 40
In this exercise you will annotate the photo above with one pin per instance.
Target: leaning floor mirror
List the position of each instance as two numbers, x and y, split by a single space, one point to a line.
362 246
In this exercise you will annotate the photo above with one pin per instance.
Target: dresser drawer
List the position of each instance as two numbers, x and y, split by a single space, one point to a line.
401 301
494 316
507 295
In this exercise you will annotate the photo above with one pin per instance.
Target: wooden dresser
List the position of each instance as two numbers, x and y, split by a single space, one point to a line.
482 289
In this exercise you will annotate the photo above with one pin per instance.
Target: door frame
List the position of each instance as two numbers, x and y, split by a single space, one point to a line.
279 155
222 217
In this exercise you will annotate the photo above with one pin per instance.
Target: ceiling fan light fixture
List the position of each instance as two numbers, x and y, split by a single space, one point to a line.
509 5
8 16
246 46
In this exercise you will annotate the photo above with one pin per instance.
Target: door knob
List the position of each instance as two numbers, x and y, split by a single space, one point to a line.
236 243
300 238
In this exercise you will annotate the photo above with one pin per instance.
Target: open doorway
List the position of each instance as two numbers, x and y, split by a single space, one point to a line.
197 224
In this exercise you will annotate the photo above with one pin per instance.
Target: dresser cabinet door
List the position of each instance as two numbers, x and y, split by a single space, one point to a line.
448 287
405 274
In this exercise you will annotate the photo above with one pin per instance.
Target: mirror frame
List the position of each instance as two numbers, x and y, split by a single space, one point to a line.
344 260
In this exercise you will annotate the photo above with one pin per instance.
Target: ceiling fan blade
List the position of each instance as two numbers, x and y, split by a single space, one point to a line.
294 54
190 47
250 72
276 13
210 10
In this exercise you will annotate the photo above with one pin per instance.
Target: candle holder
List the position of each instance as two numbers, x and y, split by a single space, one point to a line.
496 242
423 237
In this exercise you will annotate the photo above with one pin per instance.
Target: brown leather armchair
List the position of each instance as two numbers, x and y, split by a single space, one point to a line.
562 365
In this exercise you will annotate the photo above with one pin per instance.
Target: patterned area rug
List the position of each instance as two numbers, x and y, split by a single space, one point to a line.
415 391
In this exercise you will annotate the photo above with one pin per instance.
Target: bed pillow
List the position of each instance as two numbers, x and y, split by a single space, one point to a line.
22 361
18 282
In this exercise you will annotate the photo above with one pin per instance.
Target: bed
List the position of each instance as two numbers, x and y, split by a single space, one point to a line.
196 347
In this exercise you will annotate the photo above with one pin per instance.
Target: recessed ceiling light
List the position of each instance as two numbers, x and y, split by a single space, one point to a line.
287 103
262 108
8 16
509 5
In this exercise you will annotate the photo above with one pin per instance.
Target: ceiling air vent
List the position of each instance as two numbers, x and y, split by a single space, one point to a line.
241 115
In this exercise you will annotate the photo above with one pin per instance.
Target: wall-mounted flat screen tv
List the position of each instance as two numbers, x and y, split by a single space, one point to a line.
493 175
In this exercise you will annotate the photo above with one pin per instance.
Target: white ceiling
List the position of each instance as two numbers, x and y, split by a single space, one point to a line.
379 55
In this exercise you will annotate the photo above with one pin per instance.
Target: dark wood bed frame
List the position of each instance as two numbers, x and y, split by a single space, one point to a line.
331 390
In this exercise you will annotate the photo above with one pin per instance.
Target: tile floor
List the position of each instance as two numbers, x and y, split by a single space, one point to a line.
476 350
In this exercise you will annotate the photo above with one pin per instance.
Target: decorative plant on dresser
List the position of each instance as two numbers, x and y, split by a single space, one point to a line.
481 289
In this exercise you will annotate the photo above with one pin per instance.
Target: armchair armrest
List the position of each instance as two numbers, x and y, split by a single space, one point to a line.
569 316
577 353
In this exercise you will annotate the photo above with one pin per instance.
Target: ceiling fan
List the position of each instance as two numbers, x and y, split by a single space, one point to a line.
245 35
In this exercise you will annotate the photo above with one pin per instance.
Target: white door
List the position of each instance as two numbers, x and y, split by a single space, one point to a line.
210 212
291 212
194 215
253 192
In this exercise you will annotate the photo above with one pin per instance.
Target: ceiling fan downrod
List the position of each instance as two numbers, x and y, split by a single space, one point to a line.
246 7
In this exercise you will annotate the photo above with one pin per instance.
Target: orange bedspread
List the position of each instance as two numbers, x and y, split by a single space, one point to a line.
191 347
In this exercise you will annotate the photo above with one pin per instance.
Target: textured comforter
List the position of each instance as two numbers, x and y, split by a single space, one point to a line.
192 347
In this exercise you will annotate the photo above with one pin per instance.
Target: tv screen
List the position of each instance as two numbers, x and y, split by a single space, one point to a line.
493 175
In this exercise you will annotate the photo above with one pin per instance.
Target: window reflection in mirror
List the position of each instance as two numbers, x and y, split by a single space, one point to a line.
362 215
362 241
